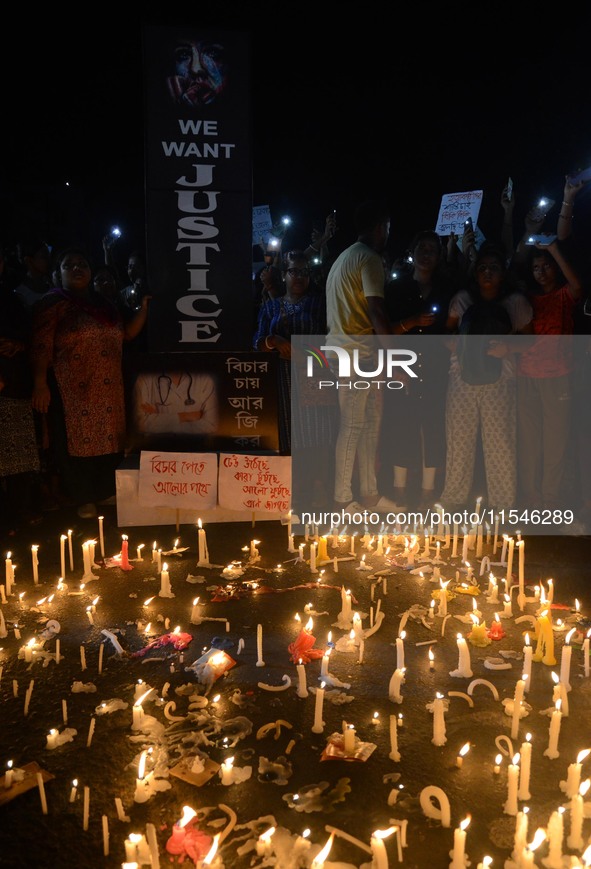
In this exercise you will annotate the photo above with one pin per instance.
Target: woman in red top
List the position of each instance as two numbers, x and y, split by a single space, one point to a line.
544 378
76 351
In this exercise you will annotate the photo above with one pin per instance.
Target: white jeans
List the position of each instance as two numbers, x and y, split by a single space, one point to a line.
359 426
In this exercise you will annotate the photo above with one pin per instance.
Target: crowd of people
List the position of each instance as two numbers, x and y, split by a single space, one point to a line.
489 415
500 409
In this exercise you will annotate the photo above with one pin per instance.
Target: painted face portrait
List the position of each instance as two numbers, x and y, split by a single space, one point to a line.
200 73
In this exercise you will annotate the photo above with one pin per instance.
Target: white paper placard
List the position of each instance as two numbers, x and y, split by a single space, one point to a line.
455 208
258 483
179 480
261 223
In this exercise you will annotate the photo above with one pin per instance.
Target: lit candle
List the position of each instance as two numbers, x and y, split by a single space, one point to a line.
195 613
124 552
510 561
35 560
227 771
442 610
464 669
521 575
8 775
313 546
575 839
318 725
378 848
400 650
165 589
565 661
461 754
545 646
325 662
349 739
154 552
527 857
203 559
74 790
555 833
510 807
554 732
63 539
52 739
439 737
525 769
302 689
458 855
573 780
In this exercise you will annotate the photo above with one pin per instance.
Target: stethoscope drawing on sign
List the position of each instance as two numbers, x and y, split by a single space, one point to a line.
164 386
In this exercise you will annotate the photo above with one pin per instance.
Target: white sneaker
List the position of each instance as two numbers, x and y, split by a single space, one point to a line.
385 505
87 511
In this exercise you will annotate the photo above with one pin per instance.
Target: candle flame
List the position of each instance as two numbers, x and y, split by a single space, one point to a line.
584 787
9 764
515 759
309 624
569 635
465 822
431 654
376 715
498 759
177 630
475 621
305 833
528 737
199 524
164 567
383 834
527 639
141 769
264 837
141 699
557 705
188 815
212 851
464 749
583 754
124 536
587 856
195 601
487 861
323 854
539 837
229 763
297 617
555 678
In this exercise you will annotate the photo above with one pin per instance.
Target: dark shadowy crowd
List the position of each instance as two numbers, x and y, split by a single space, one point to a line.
495 416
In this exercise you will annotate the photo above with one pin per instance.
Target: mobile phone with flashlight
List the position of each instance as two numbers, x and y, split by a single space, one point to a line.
116 232
434 309
468 225
544 205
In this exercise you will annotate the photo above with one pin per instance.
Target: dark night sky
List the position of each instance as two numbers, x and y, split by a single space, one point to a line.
343 105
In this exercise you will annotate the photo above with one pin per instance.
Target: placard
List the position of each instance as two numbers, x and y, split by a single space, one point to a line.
178 480
261 483
261 223
455 208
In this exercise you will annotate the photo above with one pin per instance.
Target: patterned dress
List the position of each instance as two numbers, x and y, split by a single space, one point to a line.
82 341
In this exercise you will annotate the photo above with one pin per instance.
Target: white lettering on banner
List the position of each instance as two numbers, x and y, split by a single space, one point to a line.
199 305
191 149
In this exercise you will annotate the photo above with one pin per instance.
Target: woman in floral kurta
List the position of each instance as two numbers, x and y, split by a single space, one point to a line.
77 347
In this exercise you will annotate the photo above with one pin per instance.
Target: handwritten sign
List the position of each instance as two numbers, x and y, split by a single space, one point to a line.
179 480
455 208
261 223
261 483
